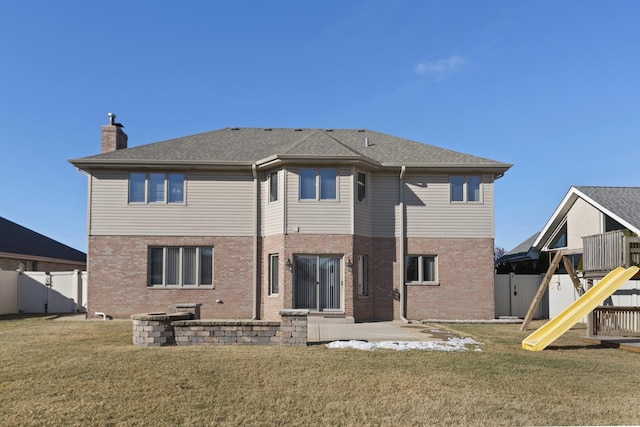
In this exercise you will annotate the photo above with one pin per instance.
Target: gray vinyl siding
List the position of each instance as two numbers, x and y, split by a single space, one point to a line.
322 216
272 212
429 212
216 204
385 202
363 219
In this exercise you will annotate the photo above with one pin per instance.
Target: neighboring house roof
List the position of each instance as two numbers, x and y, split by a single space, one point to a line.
620 203
18 240
236 147
523 252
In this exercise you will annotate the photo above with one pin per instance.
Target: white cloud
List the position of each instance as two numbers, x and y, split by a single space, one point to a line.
442 67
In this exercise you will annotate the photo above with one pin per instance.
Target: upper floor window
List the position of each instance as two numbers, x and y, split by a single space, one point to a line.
422 269
273 187
362 187
560 238
156 187
318 182
465 189
181 266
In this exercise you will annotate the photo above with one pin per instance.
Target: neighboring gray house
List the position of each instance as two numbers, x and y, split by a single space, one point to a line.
584 214
246 221
24 249
584 211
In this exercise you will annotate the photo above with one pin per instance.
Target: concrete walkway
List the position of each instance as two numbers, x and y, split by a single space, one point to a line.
319 331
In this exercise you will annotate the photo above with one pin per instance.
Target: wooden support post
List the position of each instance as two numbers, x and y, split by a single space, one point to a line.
568 265
543 287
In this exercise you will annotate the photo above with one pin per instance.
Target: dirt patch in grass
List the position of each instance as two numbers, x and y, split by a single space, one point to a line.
80 373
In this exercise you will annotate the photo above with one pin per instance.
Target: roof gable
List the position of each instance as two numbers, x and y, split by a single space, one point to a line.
16 239
620 203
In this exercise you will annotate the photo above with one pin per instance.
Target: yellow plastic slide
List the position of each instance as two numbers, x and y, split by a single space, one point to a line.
581 307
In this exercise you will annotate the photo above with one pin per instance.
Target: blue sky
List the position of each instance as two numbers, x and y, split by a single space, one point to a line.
552 87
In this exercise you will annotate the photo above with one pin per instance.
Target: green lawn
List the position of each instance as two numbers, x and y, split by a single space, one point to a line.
89 373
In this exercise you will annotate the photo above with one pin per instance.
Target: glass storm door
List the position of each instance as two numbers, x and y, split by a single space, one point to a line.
317 282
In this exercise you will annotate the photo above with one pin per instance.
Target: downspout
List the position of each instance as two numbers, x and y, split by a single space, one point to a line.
402 287
256 230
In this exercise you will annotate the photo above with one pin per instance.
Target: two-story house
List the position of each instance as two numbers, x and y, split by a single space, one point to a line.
247 222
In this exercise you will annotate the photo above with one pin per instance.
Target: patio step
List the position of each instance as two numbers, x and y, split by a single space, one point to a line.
329 318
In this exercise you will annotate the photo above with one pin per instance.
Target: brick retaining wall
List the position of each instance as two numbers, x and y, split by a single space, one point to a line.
159 329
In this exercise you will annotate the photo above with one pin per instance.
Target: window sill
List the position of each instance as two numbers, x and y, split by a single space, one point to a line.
178 287
422 283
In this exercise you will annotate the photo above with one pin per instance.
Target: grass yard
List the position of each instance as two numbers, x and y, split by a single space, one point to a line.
89 373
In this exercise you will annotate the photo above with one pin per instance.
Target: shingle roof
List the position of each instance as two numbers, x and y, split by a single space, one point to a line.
253 145
621 201
16 239
523 247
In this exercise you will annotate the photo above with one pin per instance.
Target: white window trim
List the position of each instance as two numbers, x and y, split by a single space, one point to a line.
420 280
318 181
465 193
164 284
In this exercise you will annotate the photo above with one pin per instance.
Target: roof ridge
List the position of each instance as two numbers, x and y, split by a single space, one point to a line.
301 140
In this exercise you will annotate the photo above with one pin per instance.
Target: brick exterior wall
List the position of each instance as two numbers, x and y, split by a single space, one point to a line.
465 275
118 277
270 305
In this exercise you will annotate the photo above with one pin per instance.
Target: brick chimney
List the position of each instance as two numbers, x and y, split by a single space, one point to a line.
113 137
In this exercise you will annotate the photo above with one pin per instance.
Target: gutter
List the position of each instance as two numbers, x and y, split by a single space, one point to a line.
402 287
256 219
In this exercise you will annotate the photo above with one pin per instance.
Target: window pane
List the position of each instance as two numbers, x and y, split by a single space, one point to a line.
328 184
206 266
307 184
560 239
156 187
176 188
457 186
273 187
412 269
363 275
189 266
136 187
473 189
173 266
155 266
274 269
362 182
429 269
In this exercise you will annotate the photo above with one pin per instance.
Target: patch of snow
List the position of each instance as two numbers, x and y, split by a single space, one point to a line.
453 344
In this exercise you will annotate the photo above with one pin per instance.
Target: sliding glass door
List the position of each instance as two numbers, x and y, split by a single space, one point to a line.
318 282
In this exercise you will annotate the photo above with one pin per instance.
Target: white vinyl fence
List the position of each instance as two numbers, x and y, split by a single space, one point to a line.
40 292
514 294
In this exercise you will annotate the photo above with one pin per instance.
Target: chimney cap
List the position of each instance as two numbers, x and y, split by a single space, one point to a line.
112 118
